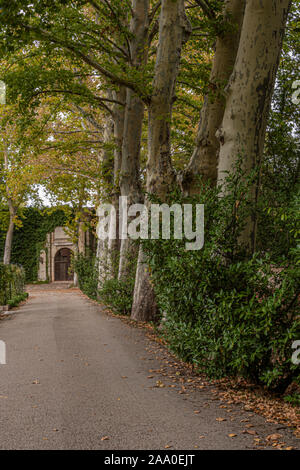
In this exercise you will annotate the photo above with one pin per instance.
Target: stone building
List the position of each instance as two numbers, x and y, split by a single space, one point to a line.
55 257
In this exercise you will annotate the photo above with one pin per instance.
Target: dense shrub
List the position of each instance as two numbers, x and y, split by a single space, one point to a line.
227 311
14 302
118 294
87 272
12 284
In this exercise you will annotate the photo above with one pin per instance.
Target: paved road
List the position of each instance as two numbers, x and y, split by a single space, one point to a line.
75 375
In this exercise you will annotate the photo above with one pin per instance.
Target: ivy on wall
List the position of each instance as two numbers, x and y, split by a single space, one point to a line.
12 284
30 237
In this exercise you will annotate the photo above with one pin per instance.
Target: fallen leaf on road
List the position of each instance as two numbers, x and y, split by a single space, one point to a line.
167 446
220 419
231 435
36 382
248 407
196 412
159 384
248 431
273 437
105 438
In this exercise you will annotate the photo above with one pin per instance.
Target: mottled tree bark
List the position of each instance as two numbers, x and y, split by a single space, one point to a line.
114 243
102 245
134 115
174 29
249 92
204 160
80 240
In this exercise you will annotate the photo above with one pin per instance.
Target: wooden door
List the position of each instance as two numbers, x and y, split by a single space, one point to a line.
62 263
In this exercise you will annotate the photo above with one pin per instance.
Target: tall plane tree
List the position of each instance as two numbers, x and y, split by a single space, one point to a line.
249 93
204 160
174 30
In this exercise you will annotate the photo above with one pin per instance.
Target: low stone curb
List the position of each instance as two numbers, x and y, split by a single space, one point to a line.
4 308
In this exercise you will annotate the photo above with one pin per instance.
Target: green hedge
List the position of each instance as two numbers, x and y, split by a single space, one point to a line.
227 311
12 284
86 269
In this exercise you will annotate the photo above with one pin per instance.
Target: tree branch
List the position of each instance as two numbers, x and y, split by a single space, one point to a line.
95 5
106 2
96 98
207 8
153 32
88 117
89 60
153 11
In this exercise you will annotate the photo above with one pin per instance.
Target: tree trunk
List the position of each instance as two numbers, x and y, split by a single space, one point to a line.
9 233
79 245
114 243
174 30
106 158
204 160
130 172
12 215
249 93
134 115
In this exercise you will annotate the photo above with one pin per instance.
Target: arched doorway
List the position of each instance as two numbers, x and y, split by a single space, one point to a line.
62 263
